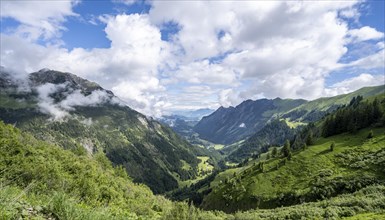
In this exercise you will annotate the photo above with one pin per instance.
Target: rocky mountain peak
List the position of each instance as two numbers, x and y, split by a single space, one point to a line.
45 75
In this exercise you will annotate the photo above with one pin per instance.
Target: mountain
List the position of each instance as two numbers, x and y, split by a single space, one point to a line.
80 115
329 165
194 115
272 134
180 124
232 124
40 180
314 110
183 122
313 174
229 125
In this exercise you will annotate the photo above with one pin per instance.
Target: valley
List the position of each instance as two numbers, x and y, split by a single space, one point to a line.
192 110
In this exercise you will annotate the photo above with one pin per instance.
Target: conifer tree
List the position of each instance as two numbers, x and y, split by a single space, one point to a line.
332 146
286 149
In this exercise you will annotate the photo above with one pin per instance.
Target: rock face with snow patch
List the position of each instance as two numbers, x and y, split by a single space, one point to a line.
229 125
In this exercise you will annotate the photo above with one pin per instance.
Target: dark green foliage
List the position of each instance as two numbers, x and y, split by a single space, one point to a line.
306 135
304 146
370 135
332 146
274 152
262 166
364 169
309 138
358 114
286 150
370 199
274 133
45 170
192 194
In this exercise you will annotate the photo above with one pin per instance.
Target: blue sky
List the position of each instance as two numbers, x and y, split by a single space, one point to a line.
165 56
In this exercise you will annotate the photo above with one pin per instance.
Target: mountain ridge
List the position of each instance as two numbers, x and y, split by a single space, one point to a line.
232 124
92 118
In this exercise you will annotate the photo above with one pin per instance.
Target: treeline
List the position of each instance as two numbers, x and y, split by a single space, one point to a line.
358 114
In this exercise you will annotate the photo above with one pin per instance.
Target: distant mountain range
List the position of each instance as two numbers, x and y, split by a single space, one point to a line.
233 124
193 115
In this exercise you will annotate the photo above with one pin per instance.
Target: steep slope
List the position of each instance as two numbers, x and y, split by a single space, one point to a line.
180 124
232 124
229 125
43 181
338 158
272 134
316 109
39 179
75 114
314 174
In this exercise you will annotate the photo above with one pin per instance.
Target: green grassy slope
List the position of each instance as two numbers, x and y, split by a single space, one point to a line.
39 179
314 110
316 173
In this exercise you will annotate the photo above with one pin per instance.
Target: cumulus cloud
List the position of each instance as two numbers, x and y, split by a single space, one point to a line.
372 61
192 97
205 72
365 33
128 67
354 83
38 18
126 2
231 50
290 60
60 109
46 103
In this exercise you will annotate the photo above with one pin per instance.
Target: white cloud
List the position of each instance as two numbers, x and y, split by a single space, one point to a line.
128 67
126 2
372 61
205 72
38 18
365 33
192 97
350 13
231 50
59 110
354 83
76 98
281 49
46 103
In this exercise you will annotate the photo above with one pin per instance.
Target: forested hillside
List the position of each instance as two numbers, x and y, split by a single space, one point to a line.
72 150
40 180
79 115
233 124
273 134
315 165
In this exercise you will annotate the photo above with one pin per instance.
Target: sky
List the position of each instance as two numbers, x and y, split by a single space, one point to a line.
161 57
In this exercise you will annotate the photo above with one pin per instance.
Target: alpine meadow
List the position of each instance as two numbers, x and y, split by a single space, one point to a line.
192 110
